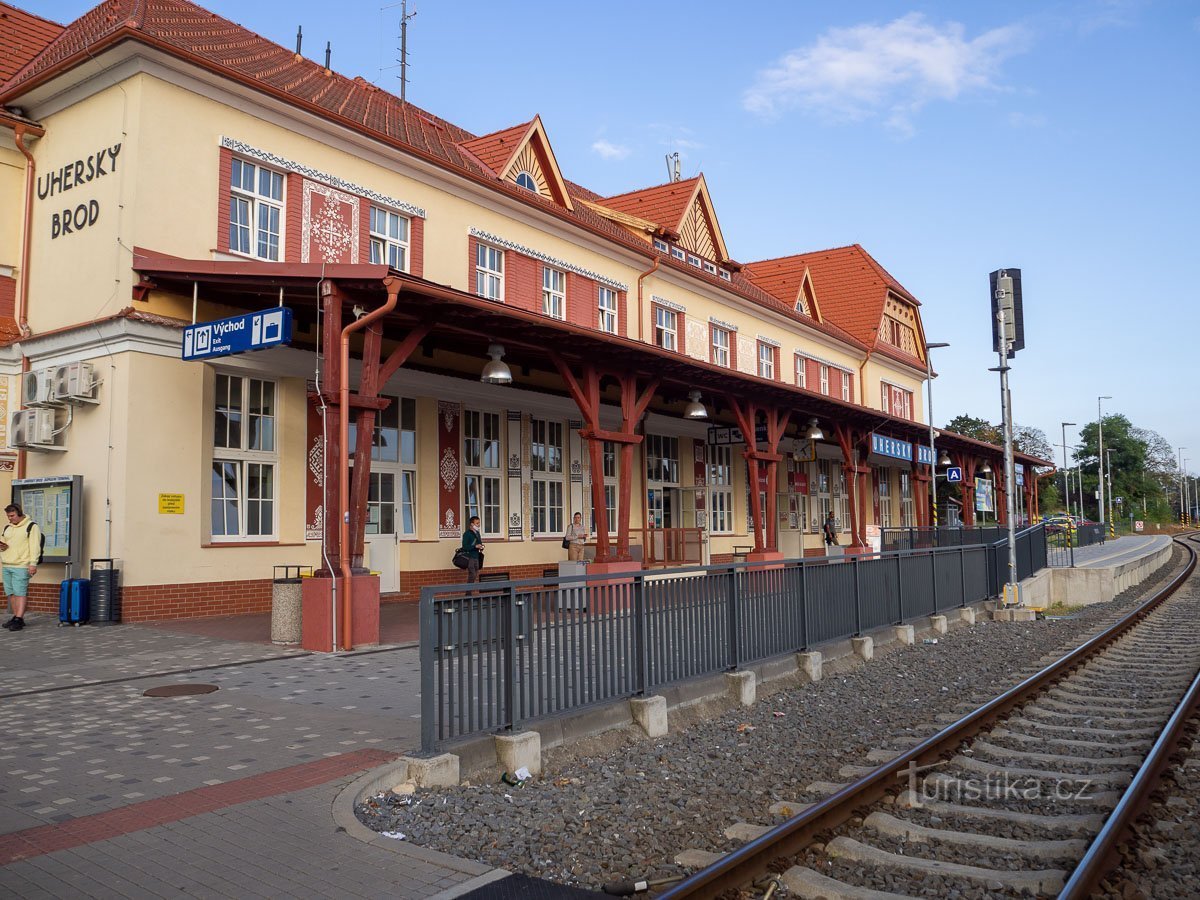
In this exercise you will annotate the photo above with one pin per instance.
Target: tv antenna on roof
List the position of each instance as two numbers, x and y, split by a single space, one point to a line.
402 62
673 166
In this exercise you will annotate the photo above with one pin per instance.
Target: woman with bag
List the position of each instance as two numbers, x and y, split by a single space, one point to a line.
472 549
575 538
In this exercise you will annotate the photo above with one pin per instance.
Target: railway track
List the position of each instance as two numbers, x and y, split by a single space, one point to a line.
1029 794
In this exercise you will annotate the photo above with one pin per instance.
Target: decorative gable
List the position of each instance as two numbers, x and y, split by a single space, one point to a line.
522 156
899 327
806 298
698 229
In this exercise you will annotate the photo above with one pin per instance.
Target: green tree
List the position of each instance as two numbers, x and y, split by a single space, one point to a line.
1141 466
979 429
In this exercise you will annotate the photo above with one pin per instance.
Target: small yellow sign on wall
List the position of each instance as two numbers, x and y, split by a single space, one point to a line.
170 504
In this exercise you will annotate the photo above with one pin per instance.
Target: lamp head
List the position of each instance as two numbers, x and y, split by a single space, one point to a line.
496 371
694 409
813 432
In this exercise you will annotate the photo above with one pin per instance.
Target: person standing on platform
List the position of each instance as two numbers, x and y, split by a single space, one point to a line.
20 553
830 529
472 545
575 538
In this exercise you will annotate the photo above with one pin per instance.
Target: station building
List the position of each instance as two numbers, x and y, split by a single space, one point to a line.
162 166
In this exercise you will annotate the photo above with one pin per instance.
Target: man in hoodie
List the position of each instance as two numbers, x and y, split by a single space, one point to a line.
20 553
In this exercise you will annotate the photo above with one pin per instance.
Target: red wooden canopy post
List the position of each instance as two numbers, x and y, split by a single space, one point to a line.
848 439
921 483
331 333
766 541
585 392
968 464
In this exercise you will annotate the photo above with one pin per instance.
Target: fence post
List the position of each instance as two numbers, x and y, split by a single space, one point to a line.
1071 545
857 601
510 657
734 624
962 573
899 589
640 632
803 605
933 575
429 638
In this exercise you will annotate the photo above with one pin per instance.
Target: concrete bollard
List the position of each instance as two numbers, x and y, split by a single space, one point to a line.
966 615
433 771
810 664
650 714
939 624
905 634
515 751
1002 615
1020 614
864 647
741 687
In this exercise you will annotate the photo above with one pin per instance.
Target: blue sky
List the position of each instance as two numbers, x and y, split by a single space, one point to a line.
949 139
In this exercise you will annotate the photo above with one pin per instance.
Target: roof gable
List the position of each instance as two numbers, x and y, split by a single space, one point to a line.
789 281
523 150
684 208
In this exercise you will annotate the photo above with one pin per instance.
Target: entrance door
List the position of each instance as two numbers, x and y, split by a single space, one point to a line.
381 537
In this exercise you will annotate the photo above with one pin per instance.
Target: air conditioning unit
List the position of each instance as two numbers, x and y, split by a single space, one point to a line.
32 429
73 383
37 388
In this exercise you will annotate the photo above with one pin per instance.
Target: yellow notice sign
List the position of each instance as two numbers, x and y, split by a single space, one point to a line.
170 504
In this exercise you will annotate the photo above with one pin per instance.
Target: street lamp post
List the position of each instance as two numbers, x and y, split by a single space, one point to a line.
1112 506
1100 456
1187 497
1179 458
1066 472
929 414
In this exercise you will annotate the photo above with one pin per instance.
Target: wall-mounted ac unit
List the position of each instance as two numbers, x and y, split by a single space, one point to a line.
73 383
33 429
37 388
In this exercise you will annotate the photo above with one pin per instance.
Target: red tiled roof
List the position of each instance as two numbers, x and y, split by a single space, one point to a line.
497 148
184 29
663 205
851 287
22 37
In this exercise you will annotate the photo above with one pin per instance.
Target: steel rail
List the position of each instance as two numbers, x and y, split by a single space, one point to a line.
741 867
1103 854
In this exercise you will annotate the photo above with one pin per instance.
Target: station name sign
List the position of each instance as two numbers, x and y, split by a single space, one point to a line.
896 449
74 174
238 334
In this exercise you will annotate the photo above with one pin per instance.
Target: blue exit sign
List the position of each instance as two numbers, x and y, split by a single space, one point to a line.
238 334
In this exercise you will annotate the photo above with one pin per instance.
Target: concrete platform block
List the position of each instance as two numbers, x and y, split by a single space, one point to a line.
650 714
1002 615
810 665
905 634
433 771
863 647
742 687
939 624
966 615
520 750
1024 615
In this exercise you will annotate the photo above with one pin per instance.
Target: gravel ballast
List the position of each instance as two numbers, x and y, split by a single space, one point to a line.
623 805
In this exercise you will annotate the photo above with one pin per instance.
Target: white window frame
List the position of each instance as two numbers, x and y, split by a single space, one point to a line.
237 455
908 518
547 472
609 319
483 462
710 268
693 260
720 480
257 204
554 293
662 246
766 360
885 397
400 459
721 351
527 181
884 484
801 371
678 254
666 328
390 238
489 272
824 372
724 273
846 386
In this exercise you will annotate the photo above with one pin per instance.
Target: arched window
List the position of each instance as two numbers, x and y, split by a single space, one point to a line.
525 180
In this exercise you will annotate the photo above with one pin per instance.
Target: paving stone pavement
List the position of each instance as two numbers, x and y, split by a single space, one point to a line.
94 744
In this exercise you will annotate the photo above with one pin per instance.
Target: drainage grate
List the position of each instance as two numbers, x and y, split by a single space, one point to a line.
179 690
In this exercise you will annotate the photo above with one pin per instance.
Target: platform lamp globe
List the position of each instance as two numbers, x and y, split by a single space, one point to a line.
933 463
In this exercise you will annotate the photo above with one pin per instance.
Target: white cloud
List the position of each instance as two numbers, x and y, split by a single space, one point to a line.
1026 120
609 150
889 71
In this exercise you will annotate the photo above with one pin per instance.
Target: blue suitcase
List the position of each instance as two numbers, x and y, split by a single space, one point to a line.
73 605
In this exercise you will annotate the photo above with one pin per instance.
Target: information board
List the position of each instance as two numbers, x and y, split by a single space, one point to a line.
56 504
238 334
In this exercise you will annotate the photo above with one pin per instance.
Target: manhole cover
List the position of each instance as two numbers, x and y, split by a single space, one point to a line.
179 690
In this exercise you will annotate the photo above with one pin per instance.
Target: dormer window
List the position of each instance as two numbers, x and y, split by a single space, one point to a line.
710 268
677 253
724 273
525 180
662 246
693 261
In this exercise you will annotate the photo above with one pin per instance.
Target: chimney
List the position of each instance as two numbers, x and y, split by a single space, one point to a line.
328 52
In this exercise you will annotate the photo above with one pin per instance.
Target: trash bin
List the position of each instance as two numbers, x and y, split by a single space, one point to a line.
286 594
106 592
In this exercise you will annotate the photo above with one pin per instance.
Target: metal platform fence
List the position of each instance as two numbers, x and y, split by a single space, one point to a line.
1032 556
498 655
925 537
1062 541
